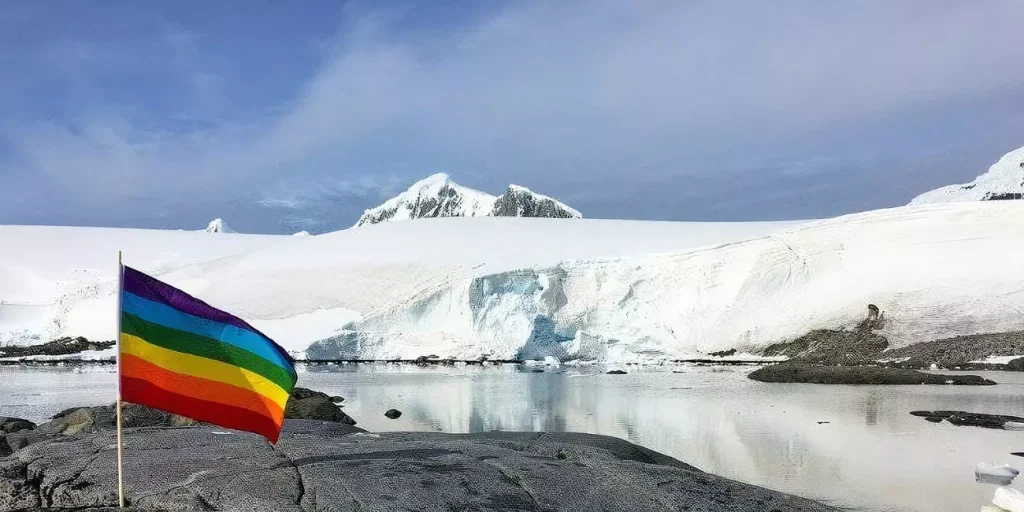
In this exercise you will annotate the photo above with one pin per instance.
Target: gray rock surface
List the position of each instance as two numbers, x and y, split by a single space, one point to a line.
333 466
810 374
968 419
9 425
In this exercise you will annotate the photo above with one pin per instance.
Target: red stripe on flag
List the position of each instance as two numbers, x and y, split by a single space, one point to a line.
199 388
140 392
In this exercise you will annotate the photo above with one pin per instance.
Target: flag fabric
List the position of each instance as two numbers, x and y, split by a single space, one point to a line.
181 355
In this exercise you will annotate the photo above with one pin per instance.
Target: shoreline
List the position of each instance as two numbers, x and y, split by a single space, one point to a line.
68 463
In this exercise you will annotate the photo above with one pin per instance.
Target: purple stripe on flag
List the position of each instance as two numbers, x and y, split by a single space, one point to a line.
144 286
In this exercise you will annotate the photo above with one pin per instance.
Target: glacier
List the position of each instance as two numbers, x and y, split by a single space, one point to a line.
531 288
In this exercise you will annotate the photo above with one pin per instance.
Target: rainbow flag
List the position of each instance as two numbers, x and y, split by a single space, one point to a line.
179 354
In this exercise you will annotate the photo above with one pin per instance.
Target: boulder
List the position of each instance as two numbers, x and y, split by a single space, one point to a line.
393 414
306 404
9 425
1016 365
332 466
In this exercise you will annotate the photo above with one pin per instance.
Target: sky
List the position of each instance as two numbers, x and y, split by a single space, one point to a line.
288 116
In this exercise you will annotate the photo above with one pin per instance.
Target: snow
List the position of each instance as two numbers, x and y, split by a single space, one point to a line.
529 288
1006 176
473 202
218 226
56 273
989 469
301 233
998 359
541 197
1010 500
439 196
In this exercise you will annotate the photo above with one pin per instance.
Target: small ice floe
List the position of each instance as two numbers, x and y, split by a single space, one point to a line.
1013 425
552 361
991 474
221 433
1010 500
933 367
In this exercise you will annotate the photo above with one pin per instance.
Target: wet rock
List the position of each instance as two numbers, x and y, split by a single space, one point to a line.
9 425
723 353
316 408
104 417
811 374
320 466
393 414
303 393
970 419
616 372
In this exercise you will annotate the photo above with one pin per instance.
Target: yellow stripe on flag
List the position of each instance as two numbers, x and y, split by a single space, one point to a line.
188 364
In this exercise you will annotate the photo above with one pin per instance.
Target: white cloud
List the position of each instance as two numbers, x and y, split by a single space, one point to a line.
537 88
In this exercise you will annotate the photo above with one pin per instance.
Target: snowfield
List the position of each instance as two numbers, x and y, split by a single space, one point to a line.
529 288
1003 180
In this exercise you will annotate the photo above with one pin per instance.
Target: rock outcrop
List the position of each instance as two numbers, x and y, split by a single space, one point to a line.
969 419
809 374
321 466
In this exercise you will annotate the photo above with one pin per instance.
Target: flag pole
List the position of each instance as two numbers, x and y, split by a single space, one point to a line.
120 473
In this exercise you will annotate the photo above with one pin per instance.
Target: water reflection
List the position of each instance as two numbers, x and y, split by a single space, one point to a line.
853 446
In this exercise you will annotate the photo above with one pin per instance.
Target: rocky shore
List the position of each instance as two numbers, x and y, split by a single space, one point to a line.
172 463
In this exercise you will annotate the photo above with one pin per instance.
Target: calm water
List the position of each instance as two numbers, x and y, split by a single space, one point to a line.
870 455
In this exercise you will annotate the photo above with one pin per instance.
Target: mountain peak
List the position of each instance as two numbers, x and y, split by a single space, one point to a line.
218 226
438 196
1004 180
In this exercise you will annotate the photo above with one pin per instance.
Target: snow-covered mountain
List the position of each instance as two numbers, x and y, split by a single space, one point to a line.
612 291
218 226
439 196
1004 180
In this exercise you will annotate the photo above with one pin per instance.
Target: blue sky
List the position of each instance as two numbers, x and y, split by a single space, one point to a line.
289 116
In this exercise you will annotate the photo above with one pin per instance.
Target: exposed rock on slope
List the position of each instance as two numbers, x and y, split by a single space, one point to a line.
439 196
218 226
1004 180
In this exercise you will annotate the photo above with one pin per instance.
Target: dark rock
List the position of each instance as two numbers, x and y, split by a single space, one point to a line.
393 414
104 417
723 353
303 393
58 347
320 466
799 373
616 372
316 408
1016 365
960 350
823 422
831 347
9 425
1018 454
337 399
972 419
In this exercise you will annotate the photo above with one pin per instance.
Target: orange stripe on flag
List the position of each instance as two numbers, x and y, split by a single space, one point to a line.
200 388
